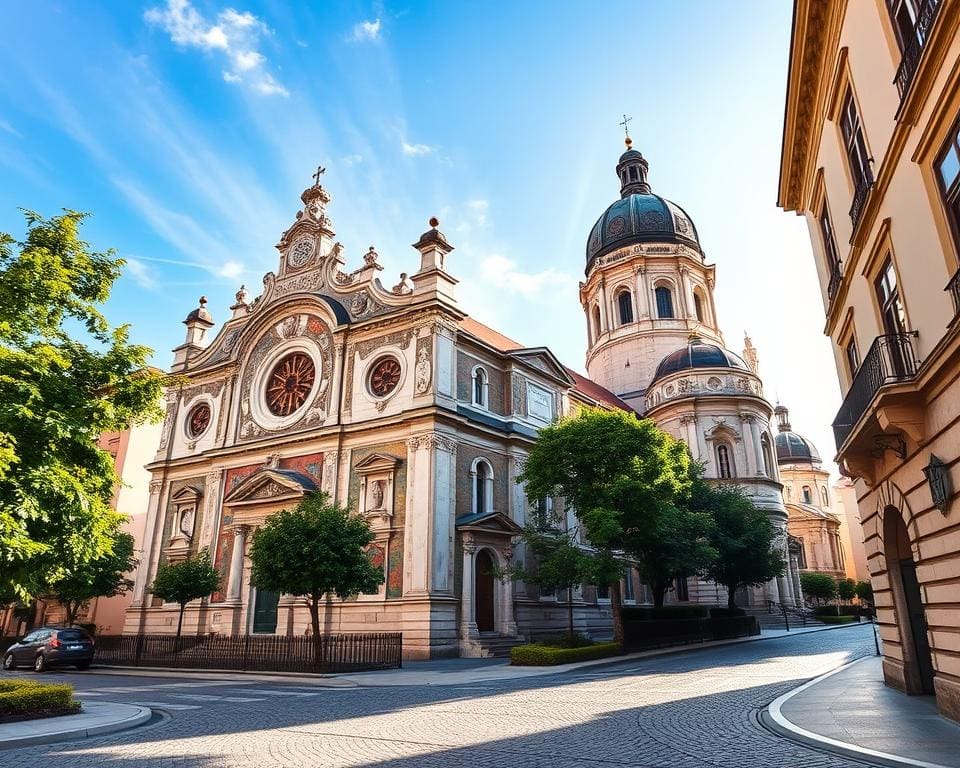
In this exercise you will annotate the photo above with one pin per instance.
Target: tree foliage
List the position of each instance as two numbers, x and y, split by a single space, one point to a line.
66 376
846 589
819 586
619 472
864 591
743 537
105 576
314 549
186 580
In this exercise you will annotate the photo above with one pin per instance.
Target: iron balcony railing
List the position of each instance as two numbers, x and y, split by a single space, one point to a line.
860 199
954 288
836 272
891 358
914 50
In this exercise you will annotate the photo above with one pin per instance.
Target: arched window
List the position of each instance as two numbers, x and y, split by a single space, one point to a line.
664 301
596 322
482 487
807 495
724 461
480 387
767 455
824 496
698 305
625 305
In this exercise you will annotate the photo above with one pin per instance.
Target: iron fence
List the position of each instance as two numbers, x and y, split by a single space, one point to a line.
953 287
262 653
914 50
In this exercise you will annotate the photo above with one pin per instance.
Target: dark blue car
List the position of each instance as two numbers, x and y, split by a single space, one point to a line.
51 647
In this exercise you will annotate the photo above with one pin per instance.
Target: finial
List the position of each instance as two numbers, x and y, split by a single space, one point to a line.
203 301
316 177
434 222
626 130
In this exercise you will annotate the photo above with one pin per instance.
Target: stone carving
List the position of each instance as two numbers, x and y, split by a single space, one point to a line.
301 283
424 367
186 522
376 494
212 388
370 259
519 388
269 490
400 339
167 428
432 440
402 288
347 394
360 303
714 383
300 252
155 487
330 461
288 327
228 343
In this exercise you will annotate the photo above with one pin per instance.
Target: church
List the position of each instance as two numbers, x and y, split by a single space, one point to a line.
398 404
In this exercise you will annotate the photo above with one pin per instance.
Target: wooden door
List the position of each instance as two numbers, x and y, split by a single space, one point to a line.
918 623
265 612
484 591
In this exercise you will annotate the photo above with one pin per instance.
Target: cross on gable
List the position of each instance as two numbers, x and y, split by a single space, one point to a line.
320 171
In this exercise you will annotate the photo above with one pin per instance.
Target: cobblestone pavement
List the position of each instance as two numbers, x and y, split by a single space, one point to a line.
689 709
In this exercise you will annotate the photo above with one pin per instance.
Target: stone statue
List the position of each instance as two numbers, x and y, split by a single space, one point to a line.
377 494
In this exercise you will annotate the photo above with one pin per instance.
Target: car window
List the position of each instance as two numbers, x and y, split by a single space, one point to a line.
72 635
42 635
30 638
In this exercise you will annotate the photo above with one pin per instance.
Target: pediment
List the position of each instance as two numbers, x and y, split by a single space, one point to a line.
543 360
186 495
489 522
270 485
377 462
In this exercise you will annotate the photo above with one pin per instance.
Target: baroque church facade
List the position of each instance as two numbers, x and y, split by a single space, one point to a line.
398 404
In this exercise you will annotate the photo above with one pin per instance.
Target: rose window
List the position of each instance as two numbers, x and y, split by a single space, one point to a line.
385 376
300 253
198 420
290 384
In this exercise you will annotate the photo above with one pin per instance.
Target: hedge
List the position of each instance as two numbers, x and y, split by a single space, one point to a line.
837 619
545 655
845 610
649 613
23 699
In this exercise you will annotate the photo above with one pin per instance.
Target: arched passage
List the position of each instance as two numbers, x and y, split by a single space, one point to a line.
908 602
484 592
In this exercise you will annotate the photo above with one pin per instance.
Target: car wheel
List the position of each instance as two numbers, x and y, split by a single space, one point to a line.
83 665
40 663
9 662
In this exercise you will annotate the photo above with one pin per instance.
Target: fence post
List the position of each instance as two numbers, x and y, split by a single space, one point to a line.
246 646
786 619
138 654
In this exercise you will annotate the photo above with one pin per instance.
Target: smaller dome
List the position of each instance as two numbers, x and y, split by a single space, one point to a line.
699 354
793 448
200 314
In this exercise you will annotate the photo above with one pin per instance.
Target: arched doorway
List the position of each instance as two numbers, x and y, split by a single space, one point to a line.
484 591
908 602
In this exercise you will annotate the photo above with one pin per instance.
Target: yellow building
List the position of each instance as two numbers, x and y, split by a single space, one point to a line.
871 158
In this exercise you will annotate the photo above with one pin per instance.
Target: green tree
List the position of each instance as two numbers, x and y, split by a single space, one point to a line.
846 589
106 576
619 472
864 592
66 376
315 549
819 586
743 537
186 580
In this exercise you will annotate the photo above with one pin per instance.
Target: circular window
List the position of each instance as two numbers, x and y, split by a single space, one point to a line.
289 384
301 252
198 420
384 376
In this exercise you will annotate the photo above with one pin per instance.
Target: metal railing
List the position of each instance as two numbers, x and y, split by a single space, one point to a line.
860 200
800 616
954 289
891 358
267 653
910 59
836 273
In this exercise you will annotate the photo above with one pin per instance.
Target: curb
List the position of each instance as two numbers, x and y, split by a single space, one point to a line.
774 720
139 716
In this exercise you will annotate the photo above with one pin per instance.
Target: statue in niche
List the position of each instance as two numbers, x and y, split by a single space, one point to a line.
186 522
377 494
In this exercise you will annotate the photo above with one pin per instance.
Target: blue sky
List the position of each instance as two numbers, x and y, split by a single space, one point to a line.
189 130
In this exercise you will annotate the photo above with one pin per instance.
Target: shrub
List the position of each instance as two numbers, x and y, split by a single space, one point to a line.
837 619
864 591
546 655
23 699
819 586
565 641
649 613
724 613
843 610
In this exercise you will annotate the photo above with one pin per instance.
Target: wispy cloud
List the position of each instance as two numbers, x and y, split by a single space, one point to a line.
478 209
350 160
365 30
8 128
415 150
234 35
503 274
141 273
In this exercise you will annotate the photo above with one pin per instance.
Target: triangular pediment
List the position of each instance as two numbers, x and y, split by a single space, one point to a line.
489 522
377 462
185 495
543 360
270 485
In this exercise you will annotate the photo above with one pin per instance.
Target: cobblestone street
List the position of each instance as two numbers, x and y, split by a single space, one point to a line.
689 709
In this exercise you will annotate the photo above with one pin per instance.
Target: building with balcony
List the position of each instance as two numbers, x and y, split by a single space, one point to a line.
871 158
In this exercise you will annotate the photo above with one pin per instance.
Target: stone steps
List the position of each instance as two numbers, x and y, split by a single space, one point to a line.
775 621
498 646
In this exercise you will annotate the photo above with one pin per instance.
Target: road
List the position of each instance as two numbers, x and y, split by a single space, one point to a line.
690 709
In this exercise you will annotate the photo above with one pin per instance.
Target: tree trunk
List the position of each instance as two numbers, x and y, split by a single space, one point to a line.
72 609
659 588
315 625
731 597
183 607
617 608
570 612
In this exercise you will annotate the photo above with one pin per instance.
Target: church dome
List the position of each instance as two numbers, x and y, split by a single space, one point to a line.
791 447
639 216
699 354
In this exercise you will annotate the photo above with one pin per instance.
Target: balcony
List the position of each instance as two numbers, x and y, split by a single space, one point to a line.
912 53
860 200
954 288
891 359
836 273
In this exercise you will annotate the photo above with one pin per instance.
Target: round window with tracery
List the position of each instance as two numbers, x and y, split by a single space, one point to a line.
384 376
198 420
290 383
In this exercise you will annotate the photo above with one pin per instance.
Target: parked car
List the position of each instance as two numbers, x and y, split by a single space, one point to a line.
50 647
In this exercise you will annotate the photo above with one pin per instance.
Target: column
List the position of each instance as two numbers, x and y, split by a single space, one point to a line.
604 313
750 454
757 447
643 299
689 421
235 581
508 622
687 292
211 513
468 621
795 574
146 555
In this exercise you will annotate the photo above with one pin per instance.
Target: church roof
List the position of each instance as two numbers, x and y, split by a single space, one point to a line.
792 448
810 511
699 354
593 391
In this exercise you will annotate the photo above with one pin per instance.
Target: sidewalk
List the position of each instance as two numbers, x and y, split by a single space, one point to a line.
96 719
851 712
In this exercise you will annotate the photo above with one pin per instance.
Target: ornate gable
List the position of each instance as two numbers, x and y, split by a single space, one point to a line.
270 485
544 361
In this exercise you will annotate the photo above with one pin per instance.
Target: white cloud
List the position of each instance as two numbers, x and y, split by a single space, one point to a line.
231 269
478 208
141 273
349 160
8 128
502 273
415 150
365 30
234 35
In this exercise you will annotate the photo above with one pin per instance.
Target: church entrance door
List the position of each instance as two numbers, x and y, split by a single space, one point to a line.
484 581
265 612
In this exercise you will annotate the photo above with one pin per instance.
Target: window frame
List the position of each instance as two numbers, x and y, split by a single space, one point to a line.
627 317
952 142
480 376
663 289
725 460
854 141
